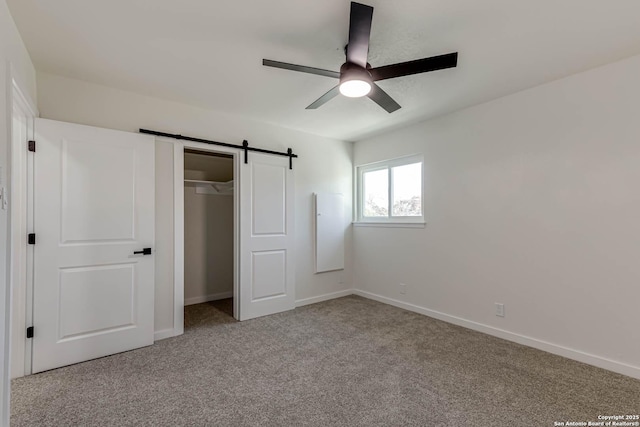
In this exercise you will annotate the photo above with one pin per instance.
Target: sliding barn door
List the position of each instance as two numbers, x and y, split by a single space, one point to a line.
266 236
94 208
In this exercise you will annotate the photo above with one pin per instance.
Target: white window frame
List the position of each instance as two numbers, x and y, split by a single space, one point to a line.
390 220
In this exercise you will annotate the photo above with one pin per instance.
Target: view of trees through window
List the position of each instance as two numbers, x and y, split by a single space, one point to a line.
407 190
376 193
406 181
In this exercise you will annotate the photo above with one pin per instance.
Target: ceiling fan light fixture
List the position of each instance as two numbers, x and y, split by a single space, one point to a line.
355 88
356 75
355 81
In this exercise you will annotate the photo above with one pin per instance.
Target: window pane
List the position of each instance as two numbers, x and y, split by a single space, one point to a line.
407 190
376 193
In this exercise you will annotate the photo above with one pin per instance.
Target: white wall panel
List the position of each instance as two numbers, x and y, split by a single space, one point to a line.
329 209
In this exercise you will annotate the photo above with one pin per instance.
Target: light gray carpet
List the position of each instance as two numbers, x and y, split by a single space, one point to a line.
345 362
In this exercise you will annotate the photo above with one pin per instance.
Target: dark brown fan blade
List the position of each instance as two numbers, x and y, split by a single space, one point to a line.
381 98
324 98
424 65
301 68
359 32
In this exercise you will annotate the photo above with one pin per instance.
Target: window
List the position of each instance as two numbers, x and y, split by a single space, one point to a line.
391 191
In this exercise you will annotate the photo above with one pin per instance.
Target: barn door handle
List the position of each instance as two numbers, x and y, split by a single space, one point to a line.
145 251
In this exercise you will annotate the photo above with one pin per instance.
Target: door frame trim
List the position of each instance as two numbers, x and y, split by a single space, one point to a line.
178 232
21 253
15 92
178 238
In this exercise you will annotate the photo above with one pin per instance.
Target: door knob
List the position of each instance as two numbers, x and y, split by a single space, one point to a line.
145 251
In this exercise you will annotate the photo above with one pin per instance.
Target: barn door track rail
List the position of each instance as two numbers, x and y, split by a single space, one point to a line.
244 146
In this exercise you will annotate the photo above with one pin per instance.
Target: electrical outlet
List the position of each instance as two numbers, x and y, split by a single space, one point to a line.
403 288
499 309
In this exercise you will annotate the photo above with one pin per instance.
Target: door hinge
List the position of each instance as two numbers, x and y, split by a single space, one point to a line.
32 146
31 239
30 332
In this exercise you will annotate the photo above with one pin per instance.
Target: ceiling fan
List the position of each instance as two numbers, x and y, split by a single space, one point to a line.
357 78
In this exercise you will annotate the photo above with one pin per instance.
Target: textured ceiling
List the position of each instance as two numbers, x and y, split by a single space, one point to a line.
209 53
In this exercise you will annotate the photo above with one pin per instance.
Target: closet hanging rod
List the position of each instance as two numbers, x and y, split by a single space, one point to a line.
244 146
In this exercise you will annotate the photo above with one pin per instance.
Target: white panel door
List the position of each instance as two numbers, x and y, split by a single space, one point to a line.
266 236
94 195
329 232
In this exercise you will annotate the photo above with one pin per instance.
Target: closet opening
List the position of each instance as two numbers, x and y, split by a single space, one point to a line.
209 252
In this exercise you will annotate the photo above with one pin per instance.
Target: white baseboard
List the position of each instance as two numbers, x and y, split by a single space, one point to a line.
590 359
207 298
165 333
325 297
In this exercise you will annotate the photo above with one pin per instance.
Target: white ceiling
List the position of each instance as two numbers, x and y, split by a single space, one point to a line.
209 53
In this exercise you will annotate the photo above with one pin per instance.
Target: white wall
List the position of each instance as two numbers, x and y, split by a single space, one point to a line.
531 200
324 164
208 245
13 52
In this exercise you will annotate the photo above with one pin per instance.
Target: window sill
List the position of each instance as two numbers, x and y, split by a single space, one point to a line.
390 224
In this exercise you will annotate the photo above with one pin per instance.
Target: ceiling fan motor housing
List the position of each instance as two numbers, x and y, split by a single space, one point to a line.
350 71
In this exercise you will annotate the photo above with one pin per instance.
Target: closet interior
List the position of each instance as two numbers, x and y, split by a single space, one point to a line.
208 231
